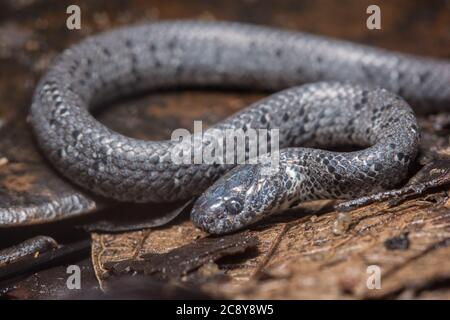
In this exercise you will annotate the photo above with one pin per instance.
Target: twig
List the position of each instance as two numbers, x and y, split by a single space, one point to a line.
259 270
33 264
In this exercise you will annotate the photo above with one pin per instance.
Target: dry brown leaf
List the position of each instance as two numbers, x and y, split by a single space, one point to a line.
303 258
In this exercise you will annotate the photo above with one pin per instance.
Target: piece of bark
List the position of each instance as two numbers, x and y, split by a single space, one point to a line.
29 248
180 261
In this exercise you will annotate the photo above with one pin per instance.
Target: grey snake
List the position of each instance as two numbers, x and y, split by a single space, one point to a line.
334 93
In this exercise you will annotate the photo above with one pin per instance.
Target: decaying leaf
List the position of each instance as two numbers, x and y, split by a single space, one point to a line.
180 261
303 257
312 262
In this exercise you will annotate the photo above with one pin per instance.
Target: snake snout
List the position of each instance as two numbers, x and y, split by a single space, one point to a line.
212 216
223 207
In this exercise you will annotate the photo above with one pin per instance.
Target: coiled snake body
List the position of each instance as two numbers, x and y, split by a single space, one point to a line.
353 107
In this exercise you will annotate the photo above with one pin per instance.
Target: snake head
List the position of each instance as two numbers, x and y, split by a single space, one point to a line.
241 197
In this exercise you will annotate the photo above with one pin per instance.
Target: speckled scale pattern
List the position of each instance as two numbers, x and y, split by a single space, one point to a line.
223 54
320 115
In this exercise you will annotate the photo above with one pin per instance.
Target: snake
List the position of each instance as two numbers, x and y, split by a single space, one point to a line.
329 94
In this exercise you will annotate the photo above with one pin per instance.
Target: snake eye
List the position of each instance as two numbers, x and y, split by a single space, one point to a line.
233 206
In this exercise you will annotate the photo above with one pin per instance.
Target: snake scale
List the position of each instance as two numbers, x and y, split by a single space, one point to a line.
334 93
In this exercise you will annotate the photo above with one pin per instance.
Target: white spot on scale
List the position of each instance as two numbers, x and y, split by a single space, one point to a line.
294 175
291 172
